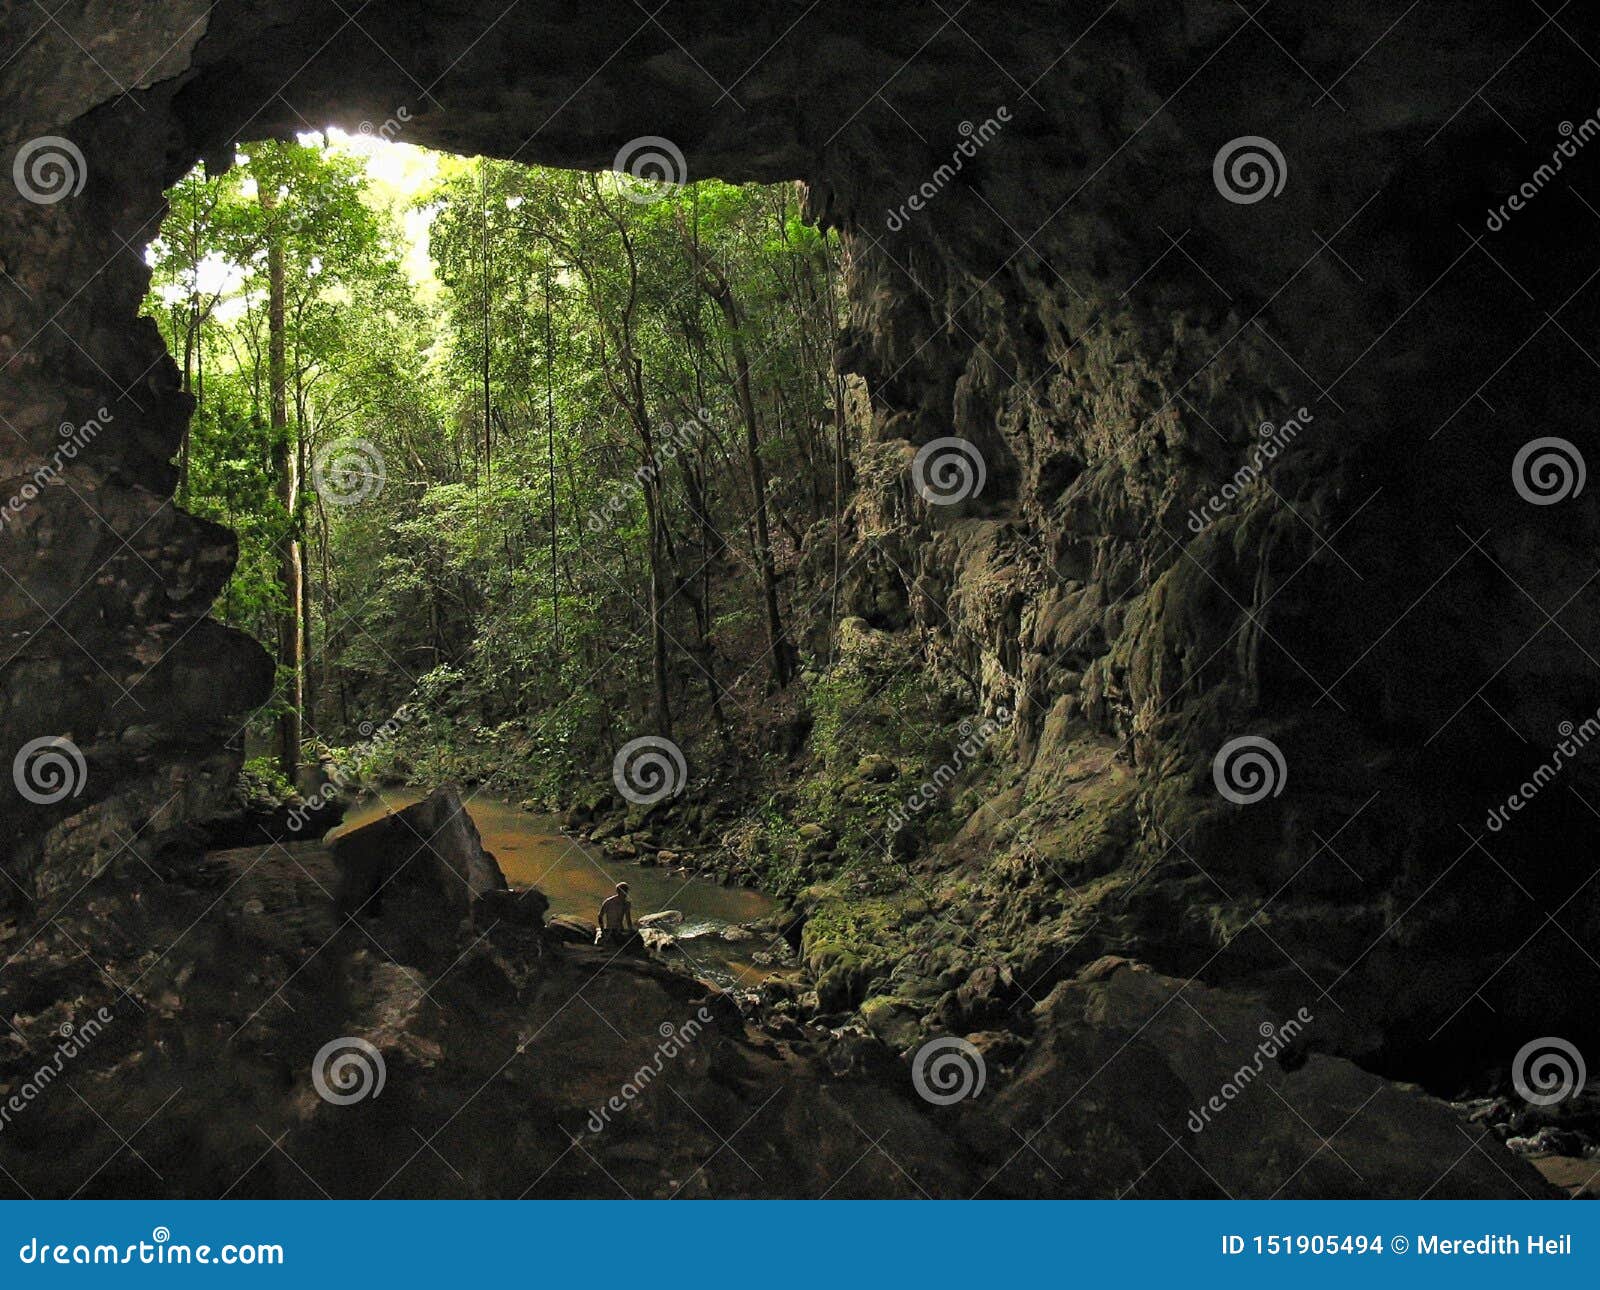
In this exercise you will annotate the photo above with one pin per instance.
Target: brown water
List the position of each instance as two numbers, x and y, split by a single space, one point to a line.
533 852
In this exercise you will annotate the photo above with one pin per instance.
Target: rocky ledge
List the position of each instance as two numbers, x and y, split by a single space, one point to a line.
234 1034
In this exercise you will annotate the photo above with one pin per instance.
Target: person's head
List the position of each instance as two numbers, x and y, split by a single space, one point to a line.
622 890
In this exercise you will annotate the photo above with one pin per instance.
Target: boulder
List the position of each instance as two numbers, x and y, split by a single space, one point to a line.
875 768
842 986
815 839
661 921
573 931
1188 1091
894 1021
999 1048
525 907
429 851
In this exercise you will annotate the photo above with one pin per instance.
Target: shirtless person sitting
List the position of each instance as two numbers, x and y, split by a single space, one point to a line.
616 918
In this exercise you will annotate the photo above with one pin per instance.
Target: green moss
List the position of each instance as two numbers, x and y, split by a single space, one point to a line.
894 1020
262 786
1093 830
842 923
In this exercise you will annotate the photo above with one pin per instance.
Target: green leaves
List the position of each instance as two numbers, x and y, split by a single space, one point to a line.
556 410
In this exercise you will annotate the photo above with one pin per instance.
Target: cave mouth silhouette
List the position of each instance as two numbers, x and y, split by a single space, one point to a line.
1082 300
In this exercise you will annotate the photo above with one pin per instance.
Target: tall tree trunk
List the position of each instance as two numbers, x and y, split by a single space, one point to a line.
777 643
658 581
304 564
838 458
488 417
285 465
550 461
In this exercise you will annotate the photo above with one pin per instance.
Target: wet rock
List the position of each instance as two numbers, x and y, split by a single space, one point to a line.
1548 1141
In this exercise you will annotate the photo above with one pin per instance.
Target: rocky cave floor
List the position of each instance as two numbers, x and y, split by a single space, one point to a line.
502 1044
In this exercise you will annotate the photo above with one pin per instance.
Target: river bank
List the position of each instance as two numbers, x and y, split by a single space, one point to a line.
728 935
247 1042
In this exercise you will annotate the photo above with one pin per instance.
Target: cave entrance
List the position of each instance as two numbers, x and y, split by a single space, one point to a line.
520 460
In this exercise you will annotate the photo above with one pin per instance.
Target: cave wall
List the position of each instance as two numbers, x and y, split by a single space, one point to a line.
1076 298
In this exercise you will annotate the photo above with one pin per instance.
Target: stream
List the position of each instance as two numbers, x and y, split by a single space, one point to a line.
533 852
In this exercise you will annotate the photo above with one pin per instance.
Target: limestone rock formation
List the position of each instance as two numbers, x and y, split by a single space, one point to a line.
239 1005
1107 320
1190 1091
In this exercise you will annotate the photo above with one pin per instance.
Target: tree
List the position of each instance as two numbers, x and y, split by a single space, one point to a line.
606 426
